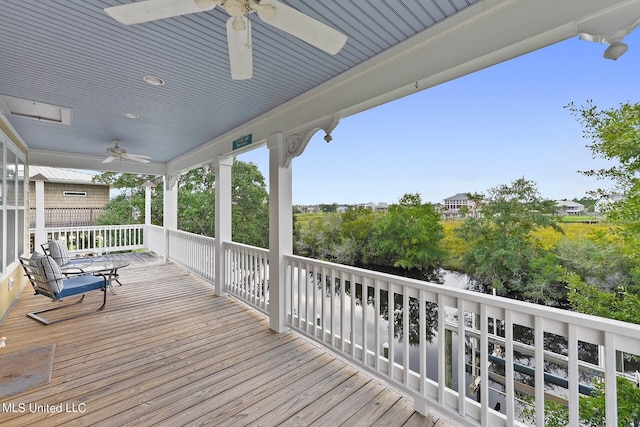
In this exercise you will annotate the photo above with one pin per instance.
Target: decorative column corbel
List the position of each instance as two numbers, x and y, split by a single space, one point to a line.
170 181
209 167
296 143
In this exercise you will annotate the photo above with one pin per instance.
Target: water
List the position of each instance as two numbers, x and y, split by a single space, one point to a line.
446 278
555 343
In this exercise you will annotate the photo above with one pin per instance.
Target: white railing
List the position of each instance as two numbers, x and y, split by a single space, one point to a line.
247 274
194 252
478 358
154 239
347 309
98 239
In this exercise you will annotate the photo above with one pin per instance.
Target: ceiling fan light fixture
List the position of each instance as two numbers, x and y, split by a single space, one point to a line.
267 11
154 81
238 24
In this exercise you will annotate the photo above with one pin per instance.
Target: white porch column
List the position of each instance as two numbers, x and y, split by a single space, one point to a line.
222 170
41 234
280 228
148 188
169 210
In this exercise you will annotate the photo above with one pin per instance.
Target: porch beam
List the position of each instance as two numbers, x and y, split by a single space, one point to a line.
280 228
60 159
462 44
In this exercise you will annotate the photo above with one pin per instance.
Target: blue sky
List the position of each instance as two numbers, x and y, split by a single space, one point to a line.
473 133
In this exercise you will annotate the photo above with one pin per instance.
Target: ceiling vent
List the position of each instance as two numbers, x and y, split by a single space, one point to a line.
27 109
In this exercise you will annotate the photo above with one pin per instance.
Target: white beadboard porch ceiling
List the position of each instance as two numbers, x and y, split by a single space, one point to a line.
70 53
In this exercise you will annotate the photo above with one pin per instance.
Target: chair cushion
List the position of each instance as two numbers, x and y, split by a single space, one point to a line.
35 258
35 262
52 274
81 284
59 252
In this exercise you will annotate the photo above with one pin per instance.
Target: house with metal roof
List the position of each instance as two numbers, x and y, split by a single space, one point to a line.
69 198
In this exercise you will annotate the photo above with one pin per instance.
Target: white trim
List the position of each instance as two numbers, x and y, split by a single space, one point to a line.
524 26
6 206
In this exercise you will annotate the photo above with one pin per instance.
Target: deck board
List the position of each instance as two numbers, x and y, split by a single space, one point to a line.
168 351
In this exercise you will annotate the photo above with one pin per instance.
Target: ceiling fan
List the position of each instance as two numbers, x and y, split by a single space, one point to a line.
120 153
272 12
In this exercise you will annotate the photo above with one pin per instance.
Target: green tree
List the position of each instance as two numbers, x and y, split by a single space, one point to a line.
501 247
592 408
357 226
250 200
324 234
614 135
409 236
329 208
555 413
129 205
588 203
599 260
617 304
196 202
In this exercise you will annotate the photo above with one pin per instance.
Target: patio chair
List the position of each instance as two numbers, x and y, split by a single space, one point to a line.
47 279
58 250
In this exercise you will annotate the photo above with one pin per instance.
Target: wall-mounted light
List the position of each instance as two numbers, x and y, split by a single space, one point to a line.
610 30
615 50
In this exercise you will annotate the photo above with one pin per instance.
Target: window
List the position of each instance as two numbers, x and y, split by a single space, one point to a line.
12 200
75 193
10 205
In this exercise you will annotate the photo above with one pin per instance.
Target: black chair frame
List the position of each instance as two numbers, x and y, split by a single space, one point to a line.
74 284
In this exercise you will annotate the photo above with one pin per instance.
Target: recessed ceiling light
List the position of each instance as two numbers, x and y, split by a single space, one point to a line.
154 81
131 115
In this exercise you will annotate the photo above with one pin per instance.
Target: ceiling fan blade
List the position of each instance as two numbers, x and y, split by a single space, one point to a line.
136 158
151 10
240 50
142 156
302 26
109 159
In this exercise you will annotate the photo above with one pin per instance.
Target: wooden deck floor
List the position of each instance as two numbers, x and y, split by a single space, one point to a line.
167 351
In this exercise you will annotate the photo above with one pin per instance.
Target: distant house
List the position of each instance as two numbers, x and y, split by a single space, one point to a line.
569 207
458 206
380 207
604 203
70 197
